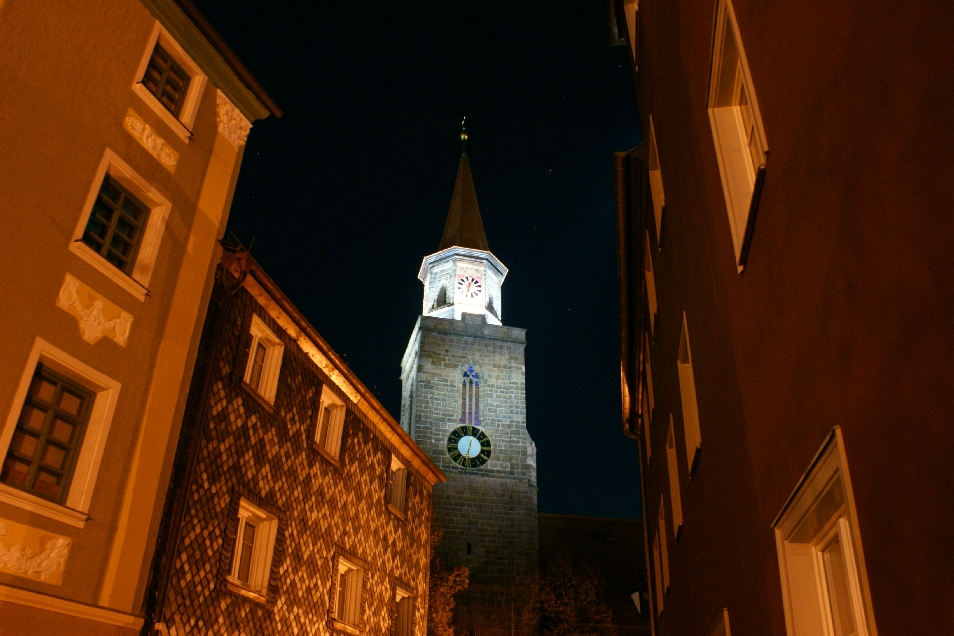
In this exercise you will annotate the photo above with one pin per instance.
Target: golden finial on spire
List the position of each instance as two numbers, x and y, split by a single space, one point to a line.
463 133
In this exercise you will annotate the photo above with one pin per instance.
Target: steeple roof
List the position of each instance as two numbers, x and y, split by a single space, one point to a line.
464 227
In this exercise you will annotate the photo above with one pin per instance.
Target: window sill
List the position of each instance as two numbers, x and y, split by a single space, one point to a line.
108 270
37 505
344 627
396 511
236 587
324 453
177 126
258 397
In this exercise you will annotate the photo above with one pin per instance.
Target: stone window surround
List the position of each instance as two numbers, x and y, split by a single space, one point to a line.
396 491
181 125
136 283
262 551
334 440
74 511
344 558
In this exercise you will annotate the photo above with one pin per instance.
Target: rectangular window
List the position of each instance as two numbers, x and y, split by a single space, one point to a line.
115 226
650 284
721 627
169 82
655 180
657 569
675 495
663 544
254 545
166 79
687 390
397 485
350 581
330 424
824 584
264 360
120 227
403 612
737 129
48 436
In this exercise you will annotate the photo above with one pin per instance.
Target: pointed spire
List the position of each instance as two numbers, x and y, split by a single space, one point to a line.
464 227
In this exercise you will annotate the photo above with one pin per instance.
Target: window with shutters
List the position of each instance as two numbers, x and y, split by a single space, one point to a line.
254 546
48 436
52 442
687 391
741 149
264 360
330 424
397 486
663 544
349 585
115 227
821 562
169 82
721 626
470 398
403 612
657 572
120 228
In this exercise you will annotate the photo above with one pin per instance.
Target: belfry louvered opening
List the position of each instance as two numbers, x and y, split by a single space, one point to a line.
470 398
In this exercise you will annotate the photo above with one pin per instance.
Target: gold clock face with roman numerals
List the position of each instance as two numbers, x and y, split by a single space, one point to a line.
469 447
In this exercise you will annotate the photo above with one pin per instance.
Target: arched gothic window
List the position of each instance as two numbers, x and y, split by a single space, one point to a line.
470 398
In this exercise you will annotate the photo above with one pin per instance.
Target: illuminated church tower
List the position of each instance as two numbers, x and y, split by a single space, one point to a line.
464 403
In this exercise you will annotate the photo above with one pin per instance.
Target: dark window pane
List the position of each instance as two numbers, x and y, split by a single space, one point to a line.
47 438
166 79
114 228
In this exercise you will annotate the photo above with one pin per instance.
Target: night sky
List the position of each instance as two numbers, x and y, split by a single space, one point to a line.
347 193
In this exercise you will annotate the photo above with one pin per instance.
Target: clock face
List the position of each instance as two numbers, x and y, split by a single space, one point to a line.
469 286
469 447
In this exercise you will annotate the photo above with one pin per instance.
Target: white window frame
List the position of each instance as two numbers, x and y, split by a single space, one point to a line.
137 282
656 181
650 284
263 548
336 408
657 568
347 610
675 494
396 492
106 390
687 392
663 543
721 626
403 611
821 508
740 176
274 350
182 126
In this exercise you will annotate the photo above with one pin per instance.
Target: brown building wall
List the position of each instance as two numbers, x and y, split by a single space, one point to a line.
68 73
842 316
325 508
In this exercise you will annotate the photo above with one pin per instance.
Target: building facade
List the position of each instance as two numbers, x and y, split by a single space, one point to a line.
298 503
784 244
124 125
464 402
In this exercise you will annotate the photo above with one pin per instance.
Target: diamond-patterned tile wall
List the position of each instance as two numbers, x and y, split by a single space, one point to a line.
265 454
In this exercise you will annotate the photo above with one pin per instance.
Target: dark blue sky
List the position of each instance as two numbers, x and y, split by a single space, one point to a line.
349 191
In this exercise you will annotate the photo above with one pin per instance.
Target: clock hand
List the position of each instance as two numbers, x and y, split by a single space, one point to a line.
470 444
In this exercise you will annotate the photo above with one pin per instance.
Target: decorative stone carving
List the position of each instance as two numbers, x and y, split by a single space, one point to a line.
153 143
232 123
18 556
97 316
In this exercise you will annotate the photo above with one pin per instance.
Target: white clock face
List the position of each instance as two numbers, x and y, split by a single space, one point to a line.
469 446
469 286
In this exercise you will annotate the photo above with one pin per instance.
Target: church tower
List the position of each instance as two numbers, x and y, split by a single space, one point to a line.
464 403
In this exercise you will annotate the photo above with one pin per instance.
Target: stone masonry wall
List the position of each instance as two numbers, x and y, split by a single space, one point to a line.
494 507
266 453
